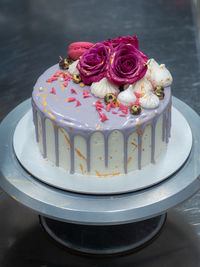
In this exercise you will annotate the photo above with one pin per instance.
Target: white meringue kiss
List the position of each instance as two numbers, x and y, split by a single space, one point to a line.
103 87
142 86
149 101
127 96
73 69
158 74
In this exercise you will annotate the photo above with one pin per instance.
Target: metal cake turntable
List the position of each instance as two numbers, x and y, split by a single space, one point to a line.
96 224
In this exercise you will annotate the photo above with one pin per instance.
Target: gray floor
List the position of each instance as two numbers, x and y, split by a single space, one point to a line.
33 35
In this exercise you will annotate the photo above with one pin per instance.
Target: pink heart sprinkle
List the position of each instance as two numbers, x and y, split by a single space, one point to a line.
99 105
73 91
98 109
103 117
121 106
53 91
125 111
137 94
67 78
137 102
86 92
71 99
108 107
112 105
78 103
85 96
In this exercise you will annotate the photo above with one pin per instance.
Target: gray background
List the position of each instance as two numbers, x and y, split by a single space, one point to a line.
33 35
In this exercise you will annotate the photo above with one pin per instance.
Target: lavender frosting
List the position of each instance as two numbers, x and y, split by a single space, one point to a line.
84 120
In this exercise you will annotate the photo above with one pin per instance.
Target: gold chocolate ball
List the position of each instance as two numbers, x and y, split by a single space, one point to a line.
76 78
135 110
64 64
110 97
160 94
70 61
158 88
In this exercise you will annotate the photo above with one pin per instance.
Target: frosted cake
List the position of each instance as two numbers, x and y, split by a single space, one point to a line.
104 111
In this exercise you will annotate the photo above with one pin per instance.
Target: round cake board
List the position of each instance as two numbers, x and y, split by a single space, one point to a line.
27 152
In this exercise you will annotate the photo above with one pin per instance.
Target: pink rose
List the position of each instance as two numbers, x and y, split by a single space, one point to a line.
127 64
93 63
131 40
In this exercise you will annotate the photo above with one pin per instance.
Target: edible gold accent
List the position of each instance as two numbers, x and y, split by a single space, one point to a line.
15 198
160 94
81 84
76 78
64 64
135 110
44 103
53 117
80 155
106 175
129 160
70 61
158 88
83 172
110 97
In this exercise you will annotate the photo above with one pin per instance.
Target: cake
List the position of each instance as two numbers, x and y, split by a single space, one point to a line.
104 111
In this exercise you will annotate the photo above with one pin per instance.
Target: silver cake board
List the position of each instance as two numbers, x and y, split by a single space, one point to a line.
141 213
27 152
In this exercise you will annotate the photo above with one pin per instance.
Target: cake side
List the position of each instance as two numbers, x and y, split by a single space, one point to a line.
139 152
75 145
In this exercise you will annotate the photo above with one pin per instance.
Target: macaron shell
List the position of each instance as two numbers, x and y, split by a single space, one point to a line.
75 50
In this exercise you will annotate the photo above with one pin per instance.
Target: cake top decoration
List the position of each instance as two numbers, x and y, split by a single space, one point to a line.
119 67
115 71
119 60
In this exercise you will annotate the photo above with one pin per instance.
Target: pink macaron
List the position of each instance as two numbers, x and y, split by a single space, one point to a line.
75 50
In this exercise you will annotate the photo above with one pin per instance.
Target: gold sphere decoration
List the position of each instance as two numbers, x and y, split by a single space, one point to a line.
158 88
160 94
135 110
110 98
70 61
76 78
64 64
